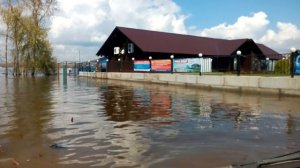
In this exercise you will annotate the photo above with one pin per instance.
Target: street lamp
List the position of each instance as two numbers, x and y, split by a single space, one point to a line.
200 56
107 64
292 67
172 57
150 58
132 63
267 62
119 60
293 49
238 53
97 65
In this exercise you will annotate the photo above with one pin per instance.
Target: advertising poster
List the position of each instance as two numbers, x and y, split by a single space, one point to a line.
161 65
187 65
141 65
297 65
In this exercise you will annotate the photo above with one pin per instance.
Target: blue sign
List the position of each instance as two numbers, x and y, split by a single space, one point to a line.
297 65
141 65
103 60
103 64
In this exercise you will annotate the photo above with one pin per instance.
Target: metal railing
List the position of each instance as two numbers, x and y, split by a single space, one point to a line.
249 65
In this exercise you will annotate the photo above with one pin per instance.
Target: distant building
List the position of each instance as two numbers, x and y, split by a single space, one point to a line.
126 43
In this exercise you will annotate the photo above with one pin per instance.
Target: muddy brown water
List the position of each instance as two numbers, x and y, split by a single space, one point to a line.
109 123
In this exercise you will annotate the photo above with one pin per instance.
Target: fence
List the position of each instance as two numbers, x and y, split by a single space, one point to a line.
130 66
203 65
69 68
229 64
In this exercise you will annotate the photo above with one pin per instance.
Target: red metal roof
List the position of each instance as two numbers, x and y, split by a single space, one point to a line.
269 52
162 42
153 41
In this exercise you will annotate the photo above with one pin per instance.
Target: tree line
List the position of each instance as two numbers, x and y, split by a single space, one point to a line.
26 34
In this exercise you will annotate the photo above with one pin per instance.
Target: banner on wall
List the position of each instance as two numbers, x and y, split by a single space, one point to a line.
187 65
141 65
297 65
161 65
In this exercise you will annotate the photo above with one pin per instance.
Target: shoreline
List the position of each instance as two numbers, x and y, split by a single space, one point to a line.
245 84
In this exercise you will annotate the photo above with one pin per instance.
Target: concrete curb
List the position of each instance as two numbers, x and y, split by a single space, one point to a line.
252 84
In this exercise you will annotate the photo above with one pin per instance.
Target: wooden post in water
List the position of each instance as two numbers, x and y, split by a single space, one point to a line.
65 73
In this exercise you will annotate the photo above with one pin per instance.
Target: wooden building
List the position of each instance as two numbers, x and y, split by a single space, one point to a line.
123 44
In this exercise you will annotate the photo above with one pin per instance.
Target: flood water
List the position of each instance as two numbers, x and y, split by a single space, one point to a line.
82 122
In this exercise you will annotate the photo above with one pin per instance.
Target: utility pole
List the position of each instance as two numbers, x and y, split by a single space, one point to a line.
79 55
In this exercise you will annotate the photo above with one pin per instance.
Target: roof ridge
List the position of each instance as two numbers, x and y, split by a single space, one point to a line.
172 33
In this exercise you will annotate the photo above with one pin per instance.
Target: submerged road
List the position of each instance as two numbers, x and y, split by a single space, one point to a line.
83 122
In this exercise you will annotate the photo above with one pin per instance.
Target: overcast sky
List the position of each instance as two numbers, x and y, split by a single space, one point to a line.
84 25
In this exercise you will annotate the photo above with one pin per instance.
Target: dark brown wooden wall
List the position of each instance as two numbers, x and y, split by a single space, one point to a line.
120 66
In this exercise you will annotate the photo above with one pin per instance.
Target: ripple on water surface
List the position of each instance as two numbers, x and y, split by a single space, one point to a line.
107 123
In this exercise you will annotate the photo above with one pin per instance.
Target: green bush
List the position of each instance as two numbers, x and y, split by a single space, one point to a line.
282 66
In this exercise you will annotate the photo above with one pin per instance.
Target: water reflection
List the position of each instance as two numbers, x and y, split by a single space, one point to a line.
5 107
123 104
238 119
25 111
141 102
107 123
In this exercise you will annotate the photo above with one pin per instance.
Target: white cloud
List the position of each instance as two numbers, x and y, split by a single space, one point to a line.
286 36
256 28
245 27
85 25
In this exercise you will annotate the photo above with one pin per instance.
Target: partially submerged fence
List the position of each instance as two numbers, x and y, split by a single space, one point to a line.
68 68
